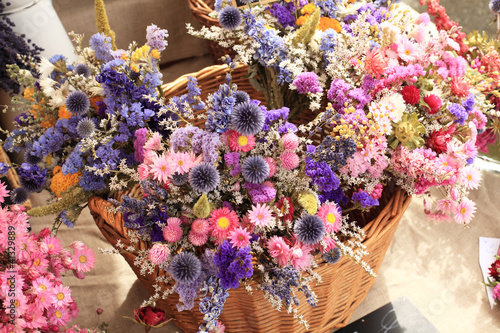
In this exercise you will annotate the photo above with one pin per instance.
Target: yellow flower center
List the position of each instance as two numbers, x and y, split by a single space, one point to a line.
469 177
463 210
82 259
36 262
242 140
58 314
60 296
43 287
163 168
407 52
330 218
240 237
223 222
180 163
16 303
51 246
260 216
445 164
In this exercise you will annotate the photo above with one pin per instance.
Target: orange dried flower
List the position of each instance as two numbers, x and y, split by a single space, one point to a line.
328 23
63 113
61 182
302 19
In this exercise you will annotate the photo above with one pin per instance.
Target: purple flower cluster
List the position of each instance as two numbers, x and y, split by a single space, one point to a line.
280 283
322 175
307 82
206 143
284 14
334 151
260 193
234 264
364 199
31 177
213 299
140 140
101 46
458 111
156 37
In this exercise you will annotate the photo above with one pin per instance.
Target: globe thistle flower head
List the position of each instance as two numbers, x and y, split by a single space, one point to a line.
19 195
78 103
31 177
495 6
332 256
31 159
310 229
82 69
204 177
179 178
255 169
185 267
247 118
241 97
85 128
230 17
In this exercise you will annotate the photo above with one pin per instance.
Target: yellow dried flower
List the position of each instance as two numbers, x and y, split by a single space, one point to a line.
308 201
202 207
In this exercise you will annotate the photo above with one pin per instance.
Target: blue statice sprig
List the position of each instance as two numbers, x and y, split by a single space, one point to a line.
213 297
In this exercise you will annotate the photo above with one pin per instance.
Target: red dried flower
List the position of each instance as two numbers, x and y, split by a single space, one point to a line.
411 94
434 103
459 87
494 269
286 208
150 316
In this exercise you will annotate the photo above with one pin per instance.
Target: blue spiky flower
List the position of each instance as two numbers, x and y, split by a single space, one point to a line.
19 195
31 158
247 118
185 267
309 229
241 97
31 177
495 6
85 128
82 69
204 177
179 178
255 169
78 103
230 17
332 256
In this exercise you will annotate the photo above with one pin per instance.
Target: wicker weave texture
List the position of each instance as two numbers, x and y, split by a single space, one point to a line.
344 285
12 175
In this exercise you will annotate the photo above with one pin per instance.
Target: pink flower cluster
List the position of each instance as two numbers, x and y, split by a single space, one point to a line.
31 287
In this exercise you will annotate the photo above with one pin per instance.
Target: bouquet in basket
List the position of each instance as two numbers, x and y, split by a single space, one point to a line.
79 120
32 293
494 277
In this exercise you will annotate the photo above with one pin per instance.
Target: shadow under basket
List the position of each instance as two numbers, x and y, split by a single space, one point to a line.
344 284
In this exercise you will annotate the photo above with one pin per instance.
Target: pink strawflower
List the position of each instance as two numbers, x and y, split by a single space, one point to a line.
200 226
53 244
45 299
4 192
158 254
77 245
496 292
154 142
272 166
446 205
84 259
197 239
290 141
41 284
470 177
289 160
162 168
62 296
464 211
260 215
172 232
240 142
222 222
330 214
279 250
375 62
39 261
330 244
34 317
59 316
239 237
181 162
300 258
438 217
406 50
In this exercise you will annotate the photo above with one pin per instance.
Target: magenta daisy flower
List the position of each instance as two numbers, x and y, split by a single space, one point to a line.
45 299
158 254
279 250
59 316
53 244
240 142
464 211
446 205
172 232
84 259
260 215
36 318
39 261
4 192
62 296
239 237
331 216
162 168
222 222
42 284
181 162
470 177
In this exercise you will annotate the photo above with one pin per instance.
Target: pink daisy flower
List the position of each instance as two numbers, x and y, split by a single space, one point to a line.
260 215
154 142
272 166
45 299
162 168
200 227
62 296
438 217
329 244
143 170
172 232
39 261
77 245
289 160
240 142
290 141
84 259
279 250
470 177
59 316
445 205
331 216
53 244
4 192
239 237
406 49
158 254
300 258
197 239
34 318
222 222
42 284
181 162
464 211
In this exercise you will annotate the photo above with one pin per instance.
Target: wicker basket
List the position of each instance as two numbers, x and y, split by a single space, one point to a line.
344 285
11 175
200 10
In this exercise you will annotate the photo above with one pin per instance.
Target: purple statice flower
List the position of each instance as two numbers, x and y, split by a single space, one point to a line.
260 193
74 161
287 127
92 182
327 7
232 158
101 46
23 119
63 216
284 14
361 96
336 196
223 101
31 177
233 263
156 37
274 115
364 199
140 140
327 45
4 168
322 175
206 143
181 136
194 91
280 283
213 297
468 104
307 82
337 94
458 111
